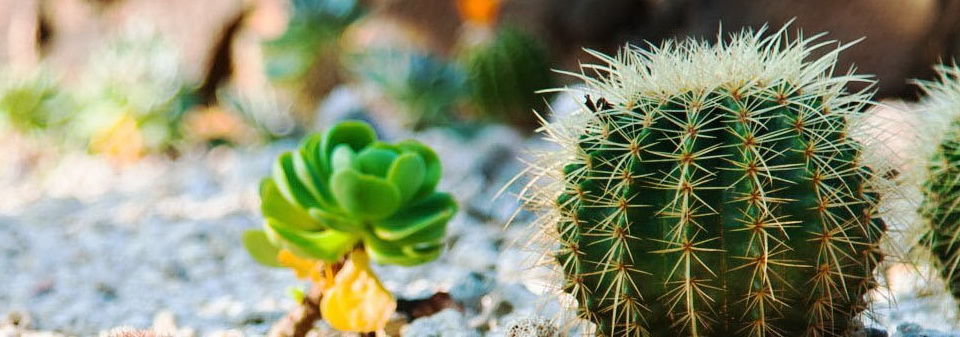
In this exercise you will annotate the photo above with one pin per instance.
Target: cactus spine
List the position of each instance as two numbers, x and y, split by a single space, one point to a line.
713 190
941 188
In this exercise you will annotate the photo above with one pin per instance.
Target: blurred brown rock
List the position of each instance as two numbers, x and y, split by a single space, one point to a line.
903 39
437 21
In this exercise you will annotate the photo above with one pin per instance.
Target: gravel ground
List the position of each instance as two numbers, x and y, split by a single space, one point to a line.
85 247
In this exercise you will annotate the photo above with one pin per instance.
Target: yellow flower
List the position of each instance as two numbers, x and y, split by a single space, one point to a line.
122 142
305 269
356 301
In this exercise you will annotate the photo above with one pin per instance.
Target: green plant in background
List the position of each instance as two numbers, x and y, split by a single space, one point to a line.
425 88
133 97
30 101
504 75
344 191
714 190
940 208
306 58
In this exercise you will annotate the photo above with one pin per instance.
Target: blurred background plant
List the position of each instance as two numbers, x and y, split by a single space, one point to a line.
505 74
306 58
133 98
424 89
31 101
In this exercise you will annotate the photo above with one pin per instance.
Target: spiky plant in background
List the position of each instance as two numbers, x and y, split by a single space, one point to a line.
940 208
424 88
133 97
344 192
714 190
505 74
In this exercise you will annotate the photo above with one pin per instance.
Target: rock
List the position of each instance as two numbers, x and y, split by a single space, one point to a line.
474 253
447 323
874 332
531 327
471 288
915 330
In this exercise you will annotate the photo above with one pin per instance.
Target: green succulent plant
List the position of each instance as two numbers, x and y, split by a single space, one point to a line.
504 75
139 75
940 208
714 190
425 88
343 188
30 101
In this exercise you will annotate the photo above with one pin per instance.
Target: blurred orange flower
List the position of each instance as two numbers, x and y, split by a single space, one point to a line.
122 142
305 269
481 12
356 301
213 123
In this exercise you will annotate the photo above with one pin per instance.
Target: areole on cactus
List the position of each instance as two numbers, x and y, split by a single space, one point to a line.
713 190
343 191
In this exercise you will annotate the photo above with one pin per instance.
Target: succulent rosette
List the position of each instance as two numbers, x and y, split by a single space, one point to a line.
344 188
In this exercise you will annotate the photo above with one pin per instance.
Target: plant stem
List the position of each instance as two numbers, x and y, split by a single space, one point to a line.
300 320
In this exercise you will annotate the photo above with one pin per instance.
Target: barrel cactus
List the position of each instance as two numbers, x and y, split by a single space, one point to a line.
343 189
713 190
940 208
505 74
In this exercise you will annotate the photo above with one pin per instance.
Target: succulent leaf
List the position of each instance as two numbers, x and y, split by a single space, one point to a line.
365 196
290 186
432 171
429 217
275 206
407 173
260 248
355 134
326 245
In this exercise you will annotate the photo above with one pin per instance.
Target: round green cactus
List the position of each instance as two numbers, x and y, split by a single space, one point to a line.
344 188
506 73
941 188
713 190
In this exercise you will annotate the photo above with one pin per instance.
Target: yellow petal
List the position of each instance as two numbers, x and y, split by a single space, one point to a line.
305 269
356 301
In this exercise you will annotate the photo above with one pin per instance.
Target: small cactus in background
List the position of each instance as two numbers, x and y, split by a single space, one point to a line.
714 190
504 75
344 191
940 208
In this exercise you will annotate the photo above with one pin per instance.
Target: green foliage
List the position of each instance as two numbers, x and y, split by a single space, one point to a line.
713 190
309 47
504 75
343 188
425 88
137 75
30 102
941 188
